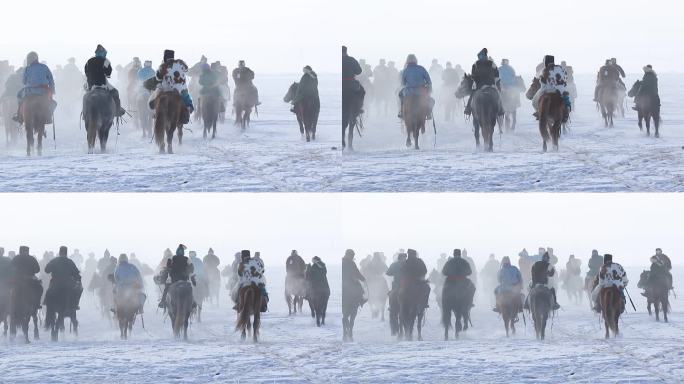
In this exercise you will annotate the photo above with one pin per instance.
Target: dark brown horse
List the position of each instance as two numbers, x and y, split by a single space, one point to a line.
457 297
508 304
59 304
306 110
657 294
612 307
551 110
244 100
249 307
98 114
210 103
412 305
167 116
485 110
24 302
350 308
37 111
648 107
608 103
127 300
4 307
540 299
414 109
352 108
179 302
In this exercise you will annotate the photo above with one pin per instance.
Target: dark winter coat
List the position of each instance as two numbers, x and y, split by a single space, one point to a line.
595 264
295 266
484 73
308 87
316 275
180 268
541 272
25 266
243 76
97 70
5 269
413 269
350 67
351 280
649 85
64 272
394 270
456 267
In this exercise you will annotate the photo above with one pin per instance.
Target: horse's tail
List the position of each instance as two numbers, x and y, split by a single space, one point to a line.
245 299
161 110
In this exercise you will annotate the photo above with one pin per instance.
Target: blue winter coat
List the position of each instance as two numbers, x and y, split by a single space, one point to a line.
127 275
414 79
37 80
509 276
145 73
507 75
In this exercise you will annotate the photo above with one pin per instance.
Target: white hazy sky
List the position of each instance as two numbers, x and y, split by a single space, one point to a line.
630 226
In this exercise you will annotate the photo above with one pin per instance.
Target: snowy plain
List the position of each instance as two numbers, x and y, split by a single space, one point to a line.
591 158
269 156
294 350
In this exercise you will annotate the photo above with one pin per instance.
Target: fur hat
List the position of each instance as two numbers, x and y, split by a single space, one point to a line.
180 251
123 258
31 58
482 54
244 254
169 55
648 68
412 252
349 253
607 258
457 252
548 59
23 250
63 250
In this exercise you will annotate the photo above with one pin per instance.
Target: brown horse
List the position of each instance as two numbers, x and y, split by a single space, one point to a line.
36 110
244 99
508 304
457 297
352 109
128 303
485 110
608 103
306 110
540 299
210 104
551 110
4 307
648 107
412 305
179 302
612 307
249 306
414 109
24 302
98 113
657 294
60 303
167 117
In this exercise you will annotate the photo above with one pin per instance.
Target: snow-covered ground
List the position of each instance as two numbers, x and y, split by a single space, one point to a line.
591 157
293 349
270 156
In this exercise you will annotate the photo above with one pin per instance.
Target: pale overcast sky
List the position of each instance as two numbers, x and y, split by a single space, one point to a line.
630 226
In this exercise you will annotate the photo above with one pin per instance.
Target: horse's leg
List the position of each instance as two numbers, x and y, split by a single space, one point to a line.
656 306
647 118
40 134
419 325
169 139
350 135
36 333
29 137
213 134
345 327
416 133
476 127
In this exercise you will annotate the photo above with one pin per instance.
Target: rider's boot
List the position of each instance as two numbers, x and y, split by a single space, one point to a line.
18 117
119 110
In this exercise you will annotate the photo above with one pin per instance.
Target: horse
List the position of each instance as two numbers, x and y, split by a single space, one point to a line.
485 110
210 104
36 111
128 303
352 108
551 110
414 109
168 108
573 286
412 305
5 307
648 107
8 106
249 306
179 303
214 277
612 307
295 290
59 303
200 293
306 110
608 103
144 116
318 300
350 308
98 113
510 99
457 297
377 296
657 293
508 304
244 99
540 298
437 279
104 292
24 301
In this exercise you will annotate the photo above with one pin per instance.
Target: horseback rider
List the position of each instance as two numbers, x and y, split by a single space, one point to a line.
211 260
541 271
198 270
553 79
648 86
37 80
179 268
351 280
65 280
394 271
510 280
351 86
308 87
146 72
243 77
415 80
171 75
5 271
251 271
295 266
595 263
413 271
663 267
316 276
485 74
127 276
573 266
610 274
608 76
97 70
457 270
24 269
507 74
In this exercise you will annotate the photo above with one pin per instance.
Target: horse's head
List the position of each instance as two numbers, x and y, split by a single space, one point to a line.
635 88
465 88
289 96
